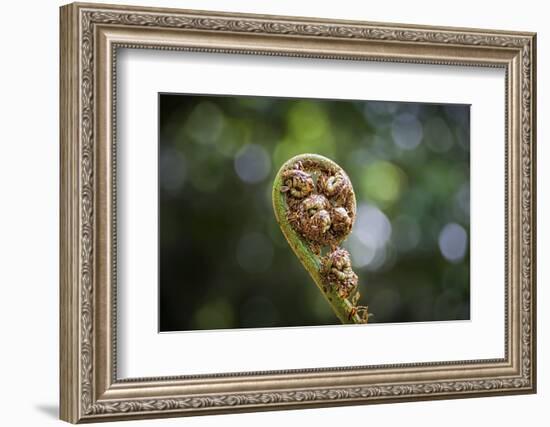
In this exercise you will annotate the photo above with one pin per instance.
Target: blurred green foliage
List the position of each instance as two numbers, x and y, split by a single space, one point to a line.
224 262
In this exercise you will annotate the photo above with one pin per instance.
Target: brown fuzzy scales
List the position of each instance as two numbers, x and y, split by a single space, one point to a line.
336 187
312 219
321 213
336 267
321 209
297 184
341 222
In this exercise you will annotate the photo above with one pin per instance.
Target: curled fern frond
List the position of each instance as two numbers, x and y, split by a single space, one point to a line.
315 206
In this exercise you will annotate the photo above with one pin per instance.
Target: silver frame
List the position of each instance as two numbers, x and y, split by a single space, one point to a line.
90 37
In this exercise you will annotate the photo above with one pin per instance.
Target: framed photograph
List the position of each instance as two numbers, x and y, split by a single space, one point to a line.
265 212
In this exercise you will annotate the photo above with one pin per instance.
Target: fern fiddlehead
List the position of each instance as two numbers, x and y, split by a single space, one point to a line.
315 206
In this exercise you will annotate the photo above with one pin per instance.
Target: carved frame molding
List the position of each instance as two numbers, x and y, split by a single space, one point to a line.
90 37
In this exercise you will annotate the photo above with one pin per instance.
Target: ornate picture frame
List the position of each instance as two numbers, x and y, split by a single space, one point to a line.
90 37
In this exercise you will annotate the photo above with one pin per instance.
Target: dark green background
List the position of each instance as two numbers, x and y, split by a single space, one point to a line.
223 260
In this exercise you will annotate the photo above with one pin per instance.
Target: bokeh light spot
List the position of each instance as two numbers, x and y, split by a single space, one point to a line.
453 240
213 314
406 131
307 120
205 123
252 163
308 131
372 227
382 182
361 254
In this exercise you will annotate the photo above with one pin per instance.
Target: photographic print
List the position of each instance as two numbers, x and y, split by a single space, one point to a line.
278 212
277 187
